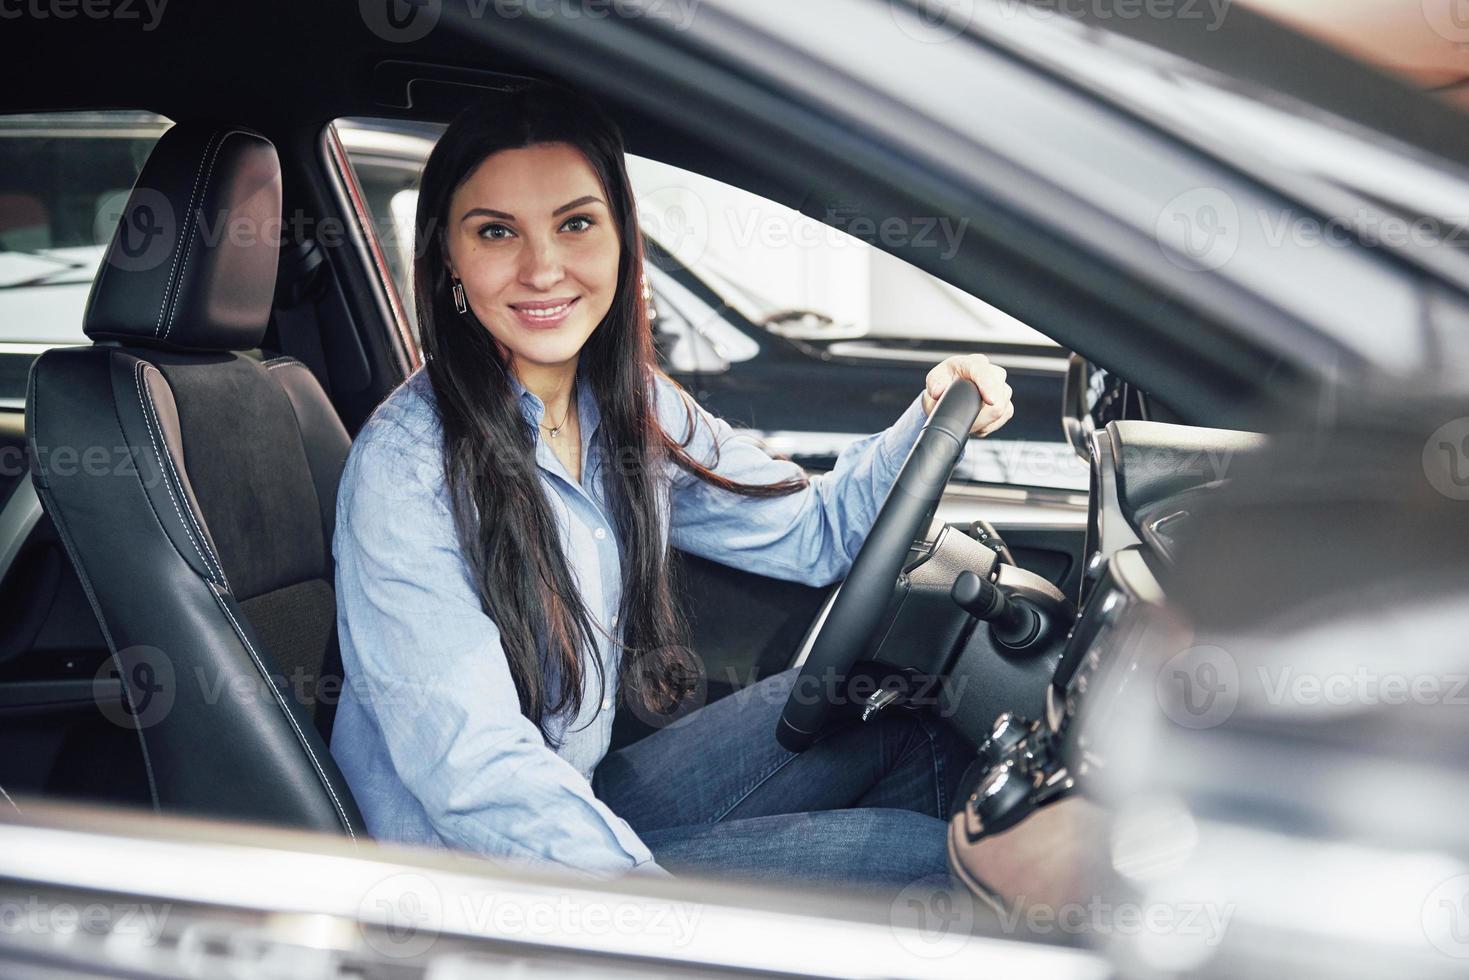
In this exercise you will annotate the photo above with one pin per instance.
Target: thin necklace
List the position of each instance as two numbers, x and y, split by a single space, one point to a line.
557 430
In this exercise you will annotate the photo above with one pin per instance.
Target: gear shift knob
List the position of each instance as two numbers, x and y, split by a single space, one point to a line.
1013 622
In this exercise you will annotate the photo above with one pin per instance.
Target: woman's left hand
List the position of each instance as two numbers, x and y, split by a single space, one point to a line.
989 378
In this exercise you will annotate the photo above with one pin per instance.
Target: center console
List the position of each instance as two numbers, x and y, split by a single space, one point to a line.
1030 763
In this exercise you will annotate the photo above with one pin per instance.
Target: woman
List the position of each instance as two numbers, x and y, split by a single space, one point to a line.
503 529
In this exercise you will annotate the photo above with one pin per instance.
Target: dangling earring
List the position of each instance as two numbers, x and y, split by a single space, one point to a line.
460 303
648 297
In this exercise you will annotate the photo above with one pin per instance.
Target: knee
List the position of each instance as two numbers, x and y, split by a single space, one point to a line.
900 846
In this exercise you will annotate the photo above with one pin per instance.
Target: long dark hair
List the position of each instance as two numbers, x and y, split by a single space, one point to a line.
506 528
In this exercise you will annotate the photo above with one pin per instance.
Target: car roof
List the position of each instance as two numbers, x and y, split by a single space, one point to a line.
281 62
280 66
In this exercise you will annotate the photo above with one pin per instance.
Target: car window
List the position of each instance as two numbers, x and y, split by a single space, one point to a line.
805 333
386 157
799 277
64 180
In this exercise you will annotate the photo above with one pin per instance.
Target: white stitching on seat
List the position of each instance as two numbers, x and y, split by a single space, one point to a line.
341 812
188 508
189 250
8 799
138 380
178 245
276 362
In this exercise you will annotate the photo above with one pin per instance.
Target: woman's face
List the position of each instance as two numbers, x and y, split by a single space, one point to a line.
531 236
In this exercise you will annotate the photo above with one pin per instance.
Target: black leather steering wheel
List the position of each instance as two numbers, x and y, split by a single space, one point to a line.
863 599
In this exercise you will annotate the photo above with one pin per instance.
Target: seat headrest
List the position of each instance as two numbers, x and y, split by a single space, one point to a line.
192 264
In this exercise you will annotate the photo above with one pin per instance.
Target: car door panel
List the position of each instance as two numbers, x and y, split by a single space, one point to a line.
61 712
62 719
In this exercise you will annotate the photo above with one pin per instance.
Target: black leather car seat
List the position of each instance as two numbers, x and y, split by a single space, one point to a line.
195 491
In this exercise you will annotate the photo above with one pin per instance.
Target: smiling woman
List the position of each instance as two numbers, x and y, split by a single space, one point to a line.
505 521
539 283
507 264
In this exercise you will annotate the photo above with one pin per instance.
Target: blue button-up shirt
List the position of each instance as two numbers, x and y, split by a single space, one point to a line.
428 731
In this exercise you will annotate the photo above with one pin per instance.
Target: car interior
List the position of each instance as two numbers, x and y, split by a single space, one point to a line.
246 369
242 507
167 636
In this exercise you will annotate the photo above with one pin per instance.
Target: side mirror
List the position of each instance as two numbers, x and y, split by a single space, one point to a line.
1076 417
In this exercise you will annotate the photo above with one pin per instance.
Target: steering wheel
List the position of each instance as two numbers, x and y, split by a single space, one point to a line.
863 598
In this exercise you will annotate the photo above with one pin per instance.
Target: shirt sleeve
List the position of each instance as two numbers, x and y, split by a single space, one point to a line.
430 667
811 536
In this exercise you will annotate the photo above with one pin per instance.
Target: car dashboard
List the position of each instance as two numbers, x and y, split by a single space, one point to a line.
1147 479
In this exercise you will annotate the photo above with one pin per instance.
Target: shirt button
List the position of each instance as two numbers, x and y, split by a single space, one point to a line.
607 702
599 533
614 619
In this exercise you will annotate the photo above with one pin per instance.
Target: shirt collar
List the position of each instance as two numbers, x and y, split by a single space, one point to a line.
587 412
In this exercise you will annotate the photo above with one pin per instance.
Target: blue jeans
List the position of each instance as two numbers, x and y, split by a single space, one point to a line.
865 807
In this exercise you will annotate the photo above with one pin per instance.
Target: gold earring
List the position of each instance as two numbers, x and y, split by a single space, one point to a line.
460 303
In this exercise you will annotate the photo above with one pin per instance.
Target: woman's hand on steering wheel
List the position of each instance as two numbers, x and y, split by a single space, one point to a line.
987 377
